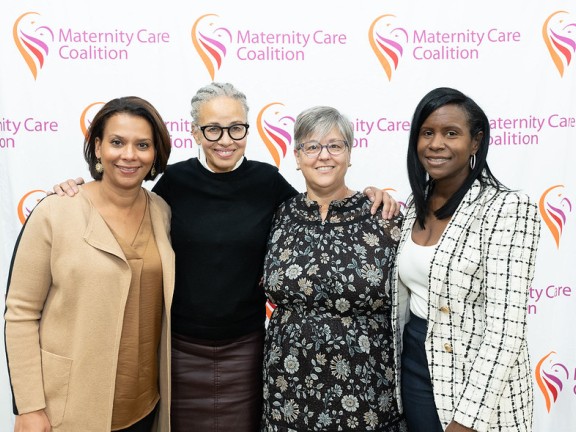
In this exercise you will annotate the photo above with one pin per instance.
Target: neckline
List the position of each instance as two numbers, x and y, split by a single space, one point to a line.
419 245
223 175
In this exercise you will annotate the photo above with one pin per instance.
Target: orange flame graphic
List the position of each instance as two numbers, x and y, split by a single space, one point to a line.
387 50
549 383
269 309
83 119
211 51
23 211
554 215
275 137
32 48
560 46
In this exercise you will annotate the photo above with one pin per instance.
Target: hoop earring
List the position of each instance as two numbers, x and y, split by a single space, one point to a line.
99 167
473 161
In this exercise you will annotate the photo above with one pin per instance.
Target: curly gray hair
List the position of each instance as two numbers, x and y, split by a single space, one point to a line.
212 91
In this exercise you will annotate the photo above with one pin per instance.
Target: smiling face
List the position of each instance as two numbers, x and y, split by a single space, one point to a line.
126 150
445 146
224 111
325 172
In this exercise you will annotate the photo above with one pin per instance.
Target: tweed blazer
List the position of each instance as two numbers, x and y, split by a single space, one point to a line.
479 281
67 291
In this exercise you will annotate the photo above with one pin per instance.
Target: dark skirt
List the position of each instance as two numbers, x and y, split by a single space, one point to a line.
217 385
417 395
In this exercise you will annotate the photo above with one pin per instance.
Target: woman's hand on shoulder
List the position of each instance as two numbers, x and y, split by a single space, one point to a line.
35 421
379 197
457 427
68 187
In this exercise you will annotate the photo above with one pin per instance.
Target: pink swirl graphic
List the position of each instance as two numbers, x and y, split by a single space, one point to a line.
550 381
554 210
273 128
560 39
211 50
30 39
384 40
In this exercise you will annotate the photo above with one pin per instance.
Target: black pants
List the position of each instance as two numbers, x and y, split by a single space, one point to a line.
144 425
417 396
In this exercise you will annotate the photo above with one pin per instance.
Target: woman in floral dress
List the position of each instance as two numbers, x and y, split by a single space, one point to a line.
331 352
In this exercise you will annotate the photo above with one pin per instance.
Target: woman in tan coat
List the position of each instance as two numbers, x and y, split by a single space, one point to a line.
90 289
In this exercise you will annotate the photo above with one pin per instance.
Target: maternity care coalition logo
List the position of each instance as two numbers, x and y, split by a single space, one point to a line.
555 208
211 41
559 33
215 43
274 127
551 377
35 42
393 42
387 42
32 40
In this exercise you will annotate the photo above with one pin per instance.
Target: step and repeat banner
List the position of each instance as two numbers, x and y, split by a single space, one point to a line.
373 60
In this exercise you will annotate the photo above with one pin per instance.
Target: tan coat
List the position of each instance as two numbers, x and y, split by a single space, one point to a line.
67 291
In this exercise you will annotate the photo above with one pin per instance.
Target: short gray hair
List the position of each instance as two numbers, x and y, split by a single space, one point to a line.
321 120
212 91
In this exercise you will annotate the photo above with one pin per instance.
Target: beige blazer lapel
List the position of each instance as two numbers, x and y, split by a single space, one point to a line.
99 235
160 225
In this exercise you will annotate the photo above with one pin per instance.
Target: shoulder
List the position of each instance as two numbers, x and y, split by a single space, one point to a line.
60 216
509 212
390 227
269 180
293 206
499 200
179 167
262 168
55 204
157 201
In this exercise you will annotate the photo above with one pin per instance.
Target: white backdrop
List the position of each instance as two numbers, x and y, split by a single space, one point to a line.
373 60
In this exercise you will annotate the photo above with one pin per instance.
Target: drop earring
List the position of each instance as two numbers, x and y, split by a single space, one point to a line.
473 161
99 167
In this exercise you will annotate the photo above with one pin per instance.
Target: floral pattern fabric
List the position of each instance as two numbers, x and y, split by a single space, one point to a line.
329 355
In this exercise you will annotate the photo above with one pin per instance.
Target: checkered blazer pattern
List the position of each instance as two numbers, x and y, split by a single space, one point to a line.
479 279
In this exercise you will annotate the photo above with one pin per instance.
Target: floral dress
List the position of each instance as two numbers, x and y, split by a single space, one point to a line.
329 354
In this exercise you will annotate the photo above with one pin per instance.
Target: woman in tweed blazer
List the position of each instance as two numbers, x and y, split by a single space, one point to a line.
465 264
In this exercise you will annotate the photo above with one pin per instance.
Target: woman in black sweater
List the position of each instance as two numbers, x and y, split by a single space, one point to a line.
222 208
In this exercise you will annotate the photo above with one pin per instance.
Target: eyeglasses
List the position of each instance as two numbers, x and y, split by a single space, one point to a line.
314 148
214 133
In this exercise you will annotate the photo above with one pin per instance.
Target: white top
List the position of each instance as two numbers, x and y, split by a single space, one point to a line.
204 162
413 267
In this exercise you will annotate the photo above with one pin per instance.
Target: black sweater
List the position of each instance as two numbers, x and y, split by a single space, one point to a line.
220 226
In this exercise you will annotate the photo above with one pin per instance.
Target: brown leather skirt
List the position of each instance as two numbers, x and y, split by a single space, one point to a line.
217 385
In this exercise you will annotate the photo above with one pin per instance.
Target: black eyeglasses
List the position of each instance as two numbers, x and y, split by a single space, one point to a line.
214 132
314 148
